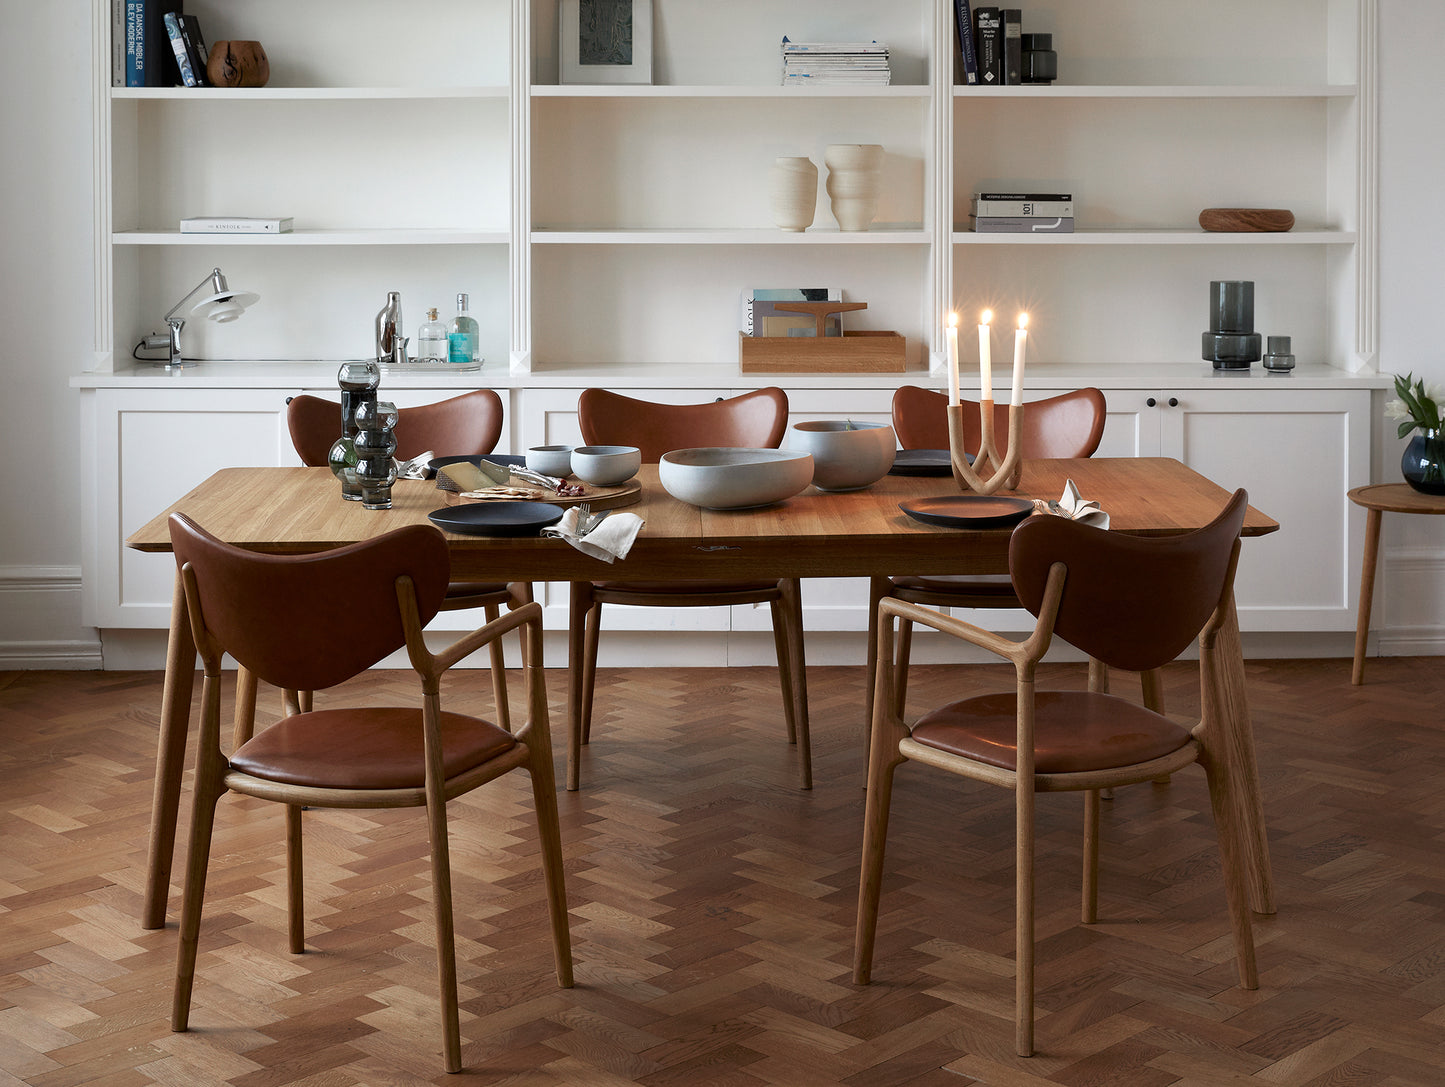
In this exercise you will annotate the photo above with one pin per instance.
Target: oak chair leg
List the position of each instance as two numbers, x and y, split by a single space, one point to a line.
295 901
1090 905
580 606
878 588
785 668
900 682
1232 863
1024 877
498 655
792 609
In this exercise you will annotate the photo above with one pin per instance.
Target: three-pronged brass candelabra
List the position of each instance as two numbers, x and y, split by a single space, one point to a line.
1006 469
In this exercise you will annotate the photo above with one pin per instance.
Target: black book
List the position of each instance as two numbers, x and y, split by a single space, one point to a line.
149 61
178 47
1013 47
988 40
196 48
967 56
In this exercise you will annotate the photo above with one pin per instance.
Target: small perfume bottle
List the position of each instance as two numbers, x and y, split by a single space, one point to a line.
462 336
431 339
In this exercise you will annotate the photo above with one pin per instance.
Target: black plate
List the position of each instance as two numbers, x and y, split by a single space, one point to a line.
496 458
923 462
497 518
975 511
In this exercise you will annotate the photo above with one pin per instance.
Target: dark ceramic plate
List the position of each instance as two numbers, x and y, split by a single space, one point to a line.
495 458
975 511
923 462
497 518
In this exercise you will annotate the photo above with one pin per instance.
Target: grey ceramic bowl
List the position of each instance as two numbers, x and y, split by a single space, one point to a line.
730 479
847 455
550 460
606 465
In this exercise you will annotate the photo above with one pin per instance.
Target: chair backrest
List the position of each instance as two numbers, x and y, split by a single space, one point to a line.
753 420
308 622
465 425
1133 602
1068 425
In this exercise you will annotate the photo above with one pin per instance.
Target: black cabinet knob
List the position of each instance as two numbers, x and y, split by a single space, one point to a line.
1152 402
1174 401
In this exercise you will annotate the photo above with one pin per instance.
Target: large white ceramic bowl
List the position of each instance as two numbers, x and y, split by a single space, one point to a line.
606 465
847 455
733 479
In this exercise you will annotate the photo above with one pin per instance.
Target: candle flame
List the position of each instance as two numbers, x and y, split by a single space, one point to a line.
953 320
986 317
1023 320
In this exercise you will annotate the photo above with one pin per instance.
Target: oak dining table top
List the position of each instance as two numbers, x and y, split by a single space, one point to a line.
814 534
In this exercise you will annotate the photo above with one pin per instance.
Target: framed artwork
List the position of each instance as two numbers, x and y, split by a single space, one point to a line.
605 41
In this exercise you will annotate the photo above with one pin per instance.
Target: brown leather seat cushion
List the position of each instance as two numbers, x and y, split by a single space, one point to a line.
687 588
1000 585
382 748
1073 731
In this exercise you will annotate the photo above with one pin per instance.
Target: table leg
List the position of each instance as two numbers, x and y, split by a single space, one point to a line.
1230 710
1367 592
180 682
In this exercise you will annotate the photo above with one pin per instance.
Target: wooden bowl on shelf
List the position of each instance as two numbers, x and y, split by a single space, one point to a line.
238 64
1246 220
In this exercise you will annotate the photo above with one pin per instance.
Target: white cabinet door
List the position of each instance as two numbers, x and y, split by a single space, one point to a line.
148 448
1297 453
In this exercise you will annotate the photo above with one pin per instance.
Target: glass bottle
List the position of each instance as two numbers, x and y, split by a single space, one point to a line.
431 339
462 335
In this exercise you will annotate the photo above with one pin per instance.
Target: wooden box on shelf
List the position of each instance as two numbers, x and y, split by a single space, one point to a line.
852 353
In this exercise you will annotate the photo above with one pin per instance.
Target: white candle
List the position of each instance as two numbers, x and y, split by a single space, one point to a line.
985 358
952 338
1020 337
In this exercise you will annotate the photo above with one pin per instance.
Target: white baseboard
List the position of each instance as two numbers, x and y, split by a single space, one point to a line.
40 620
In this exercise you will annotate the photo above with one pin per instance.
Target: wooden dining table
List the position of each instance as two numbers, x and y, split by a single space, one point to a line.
815 534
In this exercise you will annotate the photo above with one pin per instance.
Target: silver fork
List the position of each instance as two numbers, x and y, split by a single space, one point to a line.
584 518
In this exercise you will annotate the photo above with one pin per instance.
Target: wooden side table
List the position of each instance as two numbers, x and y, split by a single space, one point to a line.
1379 499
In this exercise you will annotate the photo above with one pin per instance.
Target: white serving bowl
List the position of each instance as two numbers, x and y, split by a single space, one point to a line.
847 455
732 479
605 465
550 460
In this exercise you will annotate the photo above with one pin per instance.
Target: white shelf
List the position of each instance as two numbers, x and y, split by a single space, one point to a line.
297 94
1187 90
1180 236
317 237
588 90
758 236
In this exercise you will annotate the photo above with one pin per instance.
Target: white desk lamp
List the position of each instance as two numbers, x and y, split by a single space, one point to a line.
222 305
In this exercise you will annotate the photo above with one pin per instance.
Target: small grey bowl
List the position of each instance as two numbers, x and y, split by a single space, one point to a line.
550 460
606 465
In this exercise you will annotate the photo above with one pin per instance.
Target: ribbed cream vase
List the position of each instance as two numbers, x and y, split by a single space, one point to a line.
854 181
794 191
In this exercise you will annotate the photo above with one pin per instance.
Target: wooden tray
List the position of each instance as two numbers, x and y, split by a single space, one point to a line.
1246 220
599 498
861 352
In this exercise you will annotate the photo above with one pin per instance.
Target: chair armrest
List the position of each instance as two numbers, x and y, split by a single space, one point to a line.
468 644
947 624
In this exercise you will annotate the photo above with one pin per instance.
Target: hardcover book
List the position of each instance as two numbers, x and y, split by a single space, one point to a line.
1013 47
178 47
196 47
117 43
149 61
1007 224
988 40
761 317
235 224
1024 208
967 58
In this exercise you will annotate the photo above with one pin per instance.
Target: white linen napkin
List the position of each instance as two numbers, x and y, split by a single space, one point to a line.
608 541
414 468
1072 505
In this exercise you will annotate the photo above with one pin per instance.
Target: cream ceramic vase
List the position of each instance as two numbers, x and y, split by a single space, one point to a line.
854 180
794 190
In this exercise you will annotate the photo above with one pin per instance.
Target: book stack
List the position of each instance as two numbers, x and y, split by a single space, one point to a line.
807 64
1022 213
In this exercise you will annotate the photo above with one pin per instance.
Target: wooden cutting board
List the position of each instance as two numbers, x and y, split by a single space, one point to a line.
599 498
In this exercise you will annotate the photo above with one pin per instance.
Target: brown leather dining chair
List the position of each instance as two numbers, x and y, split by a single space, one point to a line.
1069 425
753 420
1130 602
311 622
466 425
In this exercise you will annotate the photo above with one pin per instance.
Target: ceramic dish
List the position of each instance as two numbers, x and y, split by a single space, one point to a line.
731 479
606 465
847 455
923 462
497 518
974 511
496 458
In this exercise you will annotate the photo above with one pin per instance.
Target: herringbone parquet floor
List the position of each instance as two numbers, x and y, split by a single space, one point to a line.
712 906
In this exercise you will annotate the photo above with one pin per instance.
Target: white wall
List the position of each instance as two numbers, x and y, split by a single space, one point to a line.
46 306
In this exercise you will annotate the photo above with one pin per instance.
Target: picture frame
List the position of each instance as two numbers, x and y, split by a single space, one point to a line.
605 41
